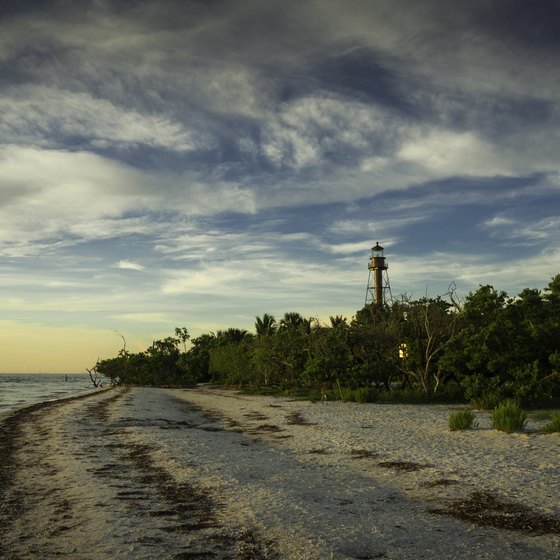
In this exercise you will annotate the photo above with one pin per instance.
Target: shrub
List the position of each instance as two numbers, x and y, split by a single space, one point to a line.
508 417
461 420
553 425
365 395
486 401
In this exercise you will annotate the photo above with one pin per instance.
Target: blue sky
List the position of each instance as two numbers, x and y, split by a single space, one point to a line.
186 163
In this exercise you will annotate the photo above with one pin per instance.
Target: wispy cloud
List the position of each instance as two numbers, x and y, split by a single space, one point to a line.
128 265
49 117
312 130
498 221
142 317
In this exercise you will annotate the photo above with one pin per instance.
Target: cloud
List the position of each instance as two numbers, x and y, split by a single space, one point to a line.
54 197
142 317
253 277
312 130
141 57
266 121
59 189
544 229
209 280
362 247
49 116
498 221
445 153
392 219
434 271
524 230
463 48
128 265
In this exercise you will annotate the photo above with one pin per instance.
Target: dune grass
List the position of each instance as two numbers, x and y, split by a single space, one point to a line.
508 417
461 420
554 425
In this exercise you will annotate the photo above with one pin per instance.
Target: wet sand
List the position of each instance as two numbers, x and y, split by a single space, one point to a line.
208 473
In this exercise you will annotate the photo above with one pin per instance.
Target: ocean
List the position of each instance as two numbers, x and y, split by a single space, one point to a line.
19 390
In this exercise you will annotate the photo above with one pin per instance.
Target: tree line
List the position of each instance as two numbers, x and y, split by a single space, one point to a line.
484 349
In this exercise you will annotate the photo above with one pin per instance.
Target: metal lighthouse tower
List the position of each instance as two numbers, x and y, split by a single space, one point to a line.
378 279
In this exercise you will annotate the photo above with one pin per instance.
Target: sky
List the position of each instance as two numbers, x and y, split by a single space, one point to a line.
189 163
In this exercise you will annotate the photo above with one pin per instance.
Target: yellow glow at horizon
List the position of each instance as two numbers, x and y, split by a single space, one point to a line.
36 348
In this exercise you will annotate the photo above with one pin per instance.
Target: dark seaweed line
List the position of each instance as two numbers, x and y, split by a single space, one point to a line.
486 510
10 441
188 509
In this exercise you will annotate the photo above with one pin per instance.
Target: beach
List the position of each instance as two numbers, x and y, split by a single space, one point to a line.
211 473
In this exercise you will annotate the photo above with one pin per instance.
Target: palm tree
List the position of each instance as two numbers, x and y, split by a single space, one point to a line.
338 321
291 321
265 325
232 336
296 321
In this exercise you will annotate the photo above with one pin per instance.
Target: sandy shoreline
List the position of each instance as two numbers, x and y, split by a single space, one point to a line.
169 473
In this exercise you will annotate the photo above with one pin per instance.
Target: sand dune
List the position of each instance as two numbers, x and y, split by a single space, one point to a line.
208 473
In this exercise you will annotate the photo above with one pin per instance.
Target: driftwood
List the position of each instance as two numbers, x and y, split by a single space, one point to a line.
95 376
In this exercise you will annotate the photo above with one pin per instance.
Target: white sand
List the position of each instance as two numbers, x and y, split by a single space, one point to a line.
97 474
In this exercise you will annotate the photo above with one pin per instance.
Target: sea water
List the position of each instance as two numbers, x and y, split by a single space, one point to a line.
19 390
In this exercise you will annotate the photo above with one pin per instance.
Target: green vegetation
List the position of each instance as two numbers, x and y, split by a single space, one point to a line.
540 414
508 417
162 364
461 420
484 350
554 424
485 401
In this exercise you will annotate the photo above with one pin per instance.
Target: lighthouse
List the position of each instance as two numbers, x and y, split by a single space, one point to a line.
378 279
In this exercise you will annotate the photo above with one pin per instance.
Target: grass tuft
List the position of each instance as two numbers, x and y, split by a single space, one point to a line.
554 424
487 401
508 417
462 420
